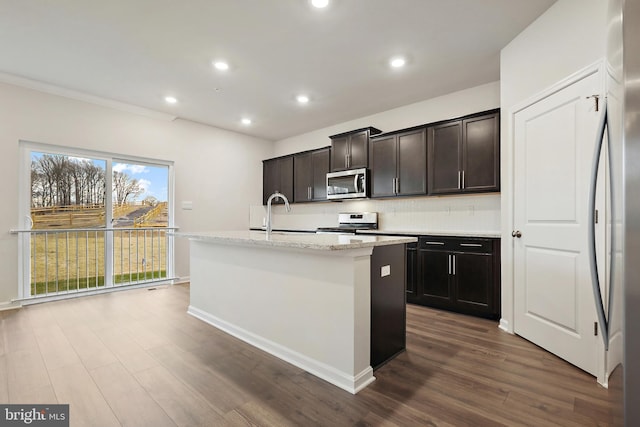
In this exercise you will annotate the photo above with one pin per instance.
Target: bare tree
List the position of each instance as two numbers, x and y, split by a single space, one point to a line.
125 187
57 180
150 201
78 179
95 184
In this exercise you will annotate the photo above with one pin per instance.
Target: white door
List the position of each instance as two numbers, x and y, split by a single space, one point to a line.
554 142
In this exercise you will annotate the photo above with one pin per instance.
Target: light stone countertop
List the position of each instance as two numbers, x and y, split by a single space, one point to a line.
323 242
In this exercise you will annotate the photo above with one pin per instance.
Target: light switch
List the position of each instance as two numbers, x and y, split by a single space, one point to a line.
187 205
385 270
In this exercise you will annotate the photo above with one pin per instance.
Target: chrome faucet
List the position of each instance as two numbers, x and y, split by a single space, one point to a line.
275 195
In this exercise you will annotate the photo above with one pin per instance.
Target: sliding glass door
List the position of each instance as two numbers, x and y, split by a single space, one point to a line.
93 221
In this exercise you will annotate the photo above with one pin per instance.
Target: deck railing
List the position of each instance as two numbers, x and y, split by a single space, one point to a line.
75 260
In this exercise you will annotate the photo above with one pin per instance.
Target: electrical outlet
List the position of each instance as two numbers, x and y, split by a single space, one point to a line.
385 270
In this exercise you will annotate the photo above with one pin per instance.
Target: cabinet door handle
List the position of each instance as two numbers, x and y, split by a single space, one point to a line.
453 257
346 160
449 259
463 179
309 193
471 245
397 185
459 179
434 243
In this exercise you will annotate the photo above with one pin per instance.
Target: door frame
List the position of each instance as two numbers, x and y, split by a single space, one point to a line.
24 201
507 178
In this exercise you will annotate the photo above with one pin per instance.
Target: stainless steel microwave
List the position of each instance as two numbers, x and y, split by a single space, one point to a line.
349 184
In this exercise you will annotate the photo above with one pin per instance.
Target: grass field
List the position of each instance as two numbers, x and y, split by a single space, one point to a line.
41 288
62 261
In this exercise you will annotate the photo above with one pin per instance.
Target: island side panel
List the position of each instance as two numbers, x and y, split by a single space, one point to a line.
309 307
388 303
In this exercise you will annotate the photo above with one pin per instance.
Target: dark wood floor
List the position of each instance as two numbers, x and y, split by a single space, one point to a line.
135 358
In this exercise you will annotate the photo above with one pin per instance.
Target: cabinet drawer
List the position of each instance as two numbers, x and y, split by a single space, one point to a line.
434 243
473 245
456 244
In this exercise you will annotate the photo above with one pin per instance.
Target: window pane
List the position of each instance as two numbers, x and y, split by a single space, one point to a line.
140 195
67 192
140 214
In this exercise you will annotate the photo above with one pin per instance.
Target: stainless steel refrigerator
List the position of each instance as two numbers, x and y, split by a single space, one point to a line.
620 308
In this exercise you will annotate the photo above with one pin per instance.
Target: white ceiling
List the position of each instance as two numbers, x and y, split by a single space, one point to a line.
139 51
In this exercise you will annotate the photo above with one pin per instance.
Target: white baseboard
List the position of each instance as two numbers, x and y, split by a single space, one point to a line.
504 325
9 305
345 381
180 280
97 291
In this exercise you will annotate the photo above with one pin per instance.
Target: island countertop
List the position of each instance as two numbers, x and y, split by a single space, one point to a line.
323 242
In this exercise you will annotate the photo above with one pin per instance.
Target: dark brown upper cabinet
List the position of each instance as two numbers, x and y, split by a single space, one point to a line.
310 170
277 175
398 164
464 155
350 150
481 153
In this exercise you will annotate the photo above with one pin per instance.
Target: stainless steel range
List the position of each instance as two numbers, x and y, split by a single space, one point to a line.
350 222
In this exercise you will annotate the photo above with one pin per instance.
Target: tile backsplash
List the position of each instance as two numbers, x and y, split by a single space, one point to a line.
477 212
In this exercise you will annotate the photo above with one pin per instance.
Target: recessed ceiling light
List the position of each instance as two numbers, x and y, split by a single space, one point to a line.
221 65
302 99
320 3
170 99
246 121
397 62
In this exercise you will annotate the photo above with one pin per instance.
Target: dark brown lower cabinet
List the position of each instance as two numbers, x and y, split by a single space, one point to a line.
388 308
435 282
474 281
457 274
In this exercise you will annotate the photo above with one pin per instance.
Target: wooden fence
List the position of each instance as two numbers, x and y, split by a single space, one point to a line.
67 216
76 216
150 218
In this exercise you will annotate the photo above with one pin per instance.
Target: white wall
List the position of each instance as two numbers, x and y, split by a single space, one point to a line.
441 214
469 101
205 159
569 36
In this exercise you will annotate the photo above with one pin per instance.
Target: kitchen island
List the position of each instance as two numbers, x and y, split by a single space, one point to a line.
305 298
